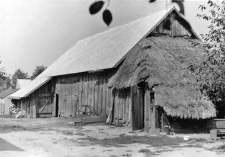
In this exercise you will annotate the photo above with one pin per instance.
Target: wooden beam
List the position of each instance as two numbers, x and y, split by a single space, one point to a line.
90 119
111 110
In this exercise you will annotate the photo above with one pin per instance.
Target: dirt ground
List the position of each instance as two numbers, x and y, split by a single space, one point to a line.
53 137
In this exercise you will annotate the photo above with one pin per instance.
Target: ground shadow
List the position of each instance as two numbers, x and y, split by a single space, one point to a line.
6 146
120 141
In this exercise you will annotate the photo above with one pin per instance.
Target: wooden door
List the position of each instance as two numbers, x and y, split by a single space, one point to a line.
137 108
68 99
45 105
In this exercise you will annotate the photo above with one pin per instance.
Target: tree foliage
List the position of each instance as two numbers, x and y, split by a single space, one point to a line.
19 74
2 78
37 71
107 15
212 71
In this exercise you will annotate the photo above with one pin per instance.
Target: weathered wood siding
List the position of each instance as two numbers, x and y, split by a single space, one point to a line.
85 89
39 103
122 106
171 26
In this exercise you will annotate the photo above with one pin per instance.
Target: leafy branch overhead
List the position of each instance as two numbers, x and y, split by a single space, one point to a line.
107 15
212 70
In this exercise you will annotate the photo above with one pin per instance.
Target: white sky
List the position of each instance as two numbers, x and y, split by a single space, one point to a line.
37 32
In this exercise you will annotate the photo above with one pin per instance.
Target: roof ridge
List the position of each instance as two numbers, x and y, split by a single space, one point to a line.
127 23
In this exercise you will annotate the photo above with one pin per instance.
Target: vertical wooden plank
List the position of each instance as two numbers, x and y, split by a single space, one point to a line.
69 89
92 91
127 108
100 95
89 89
116 115
124 105
78 84
108 99
120 106
81 90
54 105
111 114
35 108
96 92
147 103
141 97
131 107
104 94
85 89
152 111
138 108
109 91
72 95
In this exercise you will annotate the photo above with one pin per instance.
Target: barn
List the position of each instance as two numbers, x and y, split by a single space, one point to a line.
136 74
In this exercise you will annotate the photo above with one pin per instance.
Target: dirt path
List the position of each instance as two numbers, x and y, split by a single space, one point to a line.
54 138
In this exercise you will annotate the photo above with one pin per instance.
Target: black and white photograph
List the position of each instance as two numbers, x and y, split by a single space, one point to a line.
112 78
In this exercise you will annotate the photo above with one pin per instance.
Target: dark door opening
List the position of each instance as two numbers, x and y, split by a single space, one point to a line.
56 105
137 107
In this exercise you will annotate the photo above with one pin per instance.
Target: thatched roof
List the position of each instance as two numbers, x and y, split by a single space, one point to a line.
168 66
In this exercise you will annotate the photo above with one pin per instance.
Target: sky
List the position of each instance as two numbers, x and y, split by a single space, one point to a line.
37 32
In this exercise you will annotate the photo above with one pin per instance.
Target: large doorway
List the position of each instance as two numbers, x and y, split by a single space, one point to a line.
137 93
68 99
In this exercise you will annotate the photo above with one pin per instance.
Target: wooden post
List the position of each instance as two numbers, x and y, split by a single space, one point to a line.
141 107
147 109
152 109
35 109
111 110
131 107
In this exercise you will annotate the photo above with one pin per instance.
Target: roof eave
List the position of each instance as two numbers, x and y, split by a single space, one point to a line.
14 97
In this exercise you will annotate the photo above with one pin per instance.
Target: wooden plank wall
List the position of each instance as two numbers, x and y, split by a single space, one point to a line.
92 89
31 104
122 106
176 28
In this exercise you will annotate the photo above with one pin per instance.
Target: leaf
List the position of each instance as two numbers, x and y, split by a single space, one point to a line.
150 1
107 17
96 7
180 4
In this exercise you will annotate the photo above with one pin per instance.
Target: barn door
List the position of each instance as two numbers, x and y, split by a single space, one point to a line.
137 108
67 99
45 105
